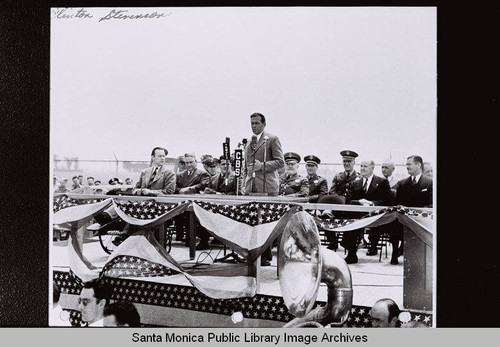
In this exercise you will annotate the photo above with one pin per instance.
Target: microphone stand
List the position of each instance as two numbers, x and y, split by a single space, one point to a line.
231 257
264 165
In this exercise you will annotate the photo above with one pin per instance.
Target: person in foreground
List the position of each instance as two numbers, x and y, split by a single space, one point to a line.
385 313
121 314
91 302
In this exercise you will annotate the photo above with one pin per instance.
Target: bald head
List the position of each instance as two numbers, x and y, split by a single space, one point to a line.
384 314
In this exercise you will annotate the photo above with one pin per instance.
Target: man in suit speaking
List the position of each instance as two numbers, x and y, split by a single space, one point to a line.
263 159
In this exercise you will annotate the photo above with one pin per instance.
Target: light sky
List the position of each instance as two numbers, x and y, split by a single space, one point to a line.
327 79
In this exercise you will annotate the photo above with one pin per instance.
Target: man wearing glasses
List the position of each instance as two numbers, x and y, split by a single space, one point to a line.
91 302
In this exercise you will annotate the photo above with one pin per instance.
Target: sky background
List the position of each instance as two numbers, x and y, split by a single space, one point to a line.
327 79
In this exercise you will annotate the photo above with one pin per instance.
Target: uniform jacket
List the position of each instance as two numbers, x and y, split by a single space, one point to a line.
274 162
341 185
162 184
294 185
218 183
418 196
195 183
379 192
318 186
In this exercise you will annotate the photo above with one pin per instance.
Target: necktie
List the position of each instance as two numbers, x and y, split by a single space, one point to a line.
347 176
153 175
413 180
365 184
253 144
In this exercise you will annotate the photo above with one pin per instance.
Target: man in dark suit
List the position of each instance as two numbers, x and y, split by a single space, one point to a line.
366 190
413 191
192 181
416 190
222 182
263 159
157 179
291 183
318 186
339 191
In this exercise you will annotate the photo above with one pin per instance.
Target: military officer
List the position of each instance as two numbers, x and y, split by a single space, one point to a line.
318 186
291 184
342 182
340 192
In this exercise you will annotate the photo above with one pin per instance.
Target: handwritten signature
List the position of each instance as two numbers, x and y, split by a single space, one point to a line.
67 13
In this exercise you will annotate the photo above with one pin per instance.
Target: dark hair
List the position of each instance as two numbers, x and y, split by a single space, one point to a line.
56 293
125 313
392 307
80 176
101 291
417 159
97 181
159 148
262 118
90 177
74 177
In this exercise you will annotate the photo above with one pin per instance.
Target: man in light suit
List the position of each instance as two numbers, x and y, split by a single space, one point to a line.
366 190
157 179
263 159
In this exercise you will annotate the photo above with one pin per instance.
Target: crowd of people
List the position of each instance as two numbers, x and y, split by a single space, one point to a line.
62 185
267 171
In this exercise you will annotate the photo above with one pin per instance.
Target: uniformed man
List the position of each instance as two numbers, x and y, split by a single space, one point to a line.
318 186
291 184
342 182
340 191
223 182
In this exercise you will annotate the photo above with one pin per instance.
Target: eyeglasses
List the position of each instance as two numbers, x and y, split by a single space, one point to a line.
182 162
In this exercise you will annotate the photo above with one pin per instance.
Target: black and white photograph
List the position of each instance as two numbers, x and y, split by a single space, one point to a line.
243 167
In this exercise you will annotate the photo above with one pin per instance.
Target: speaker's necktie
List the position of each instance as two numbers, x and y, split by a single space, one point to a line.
413 181
253 144
365 185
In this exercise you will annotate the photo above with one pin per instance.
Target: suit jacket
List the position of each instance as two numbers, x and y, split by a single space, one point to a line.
379 192
419 195
317 186
342 185
218 184
274 162
195 183
294 185
162 184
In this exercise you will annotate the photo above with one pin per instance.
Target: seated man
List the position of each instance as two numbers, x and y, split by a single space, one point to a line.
318 186
384 314
91 302
223 182
121 314
291 184
158 179
90 181
192 181
211 165
367 190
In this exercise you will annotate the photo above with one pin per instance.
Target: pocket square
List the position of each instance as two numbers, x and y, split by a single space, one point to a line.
424 190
